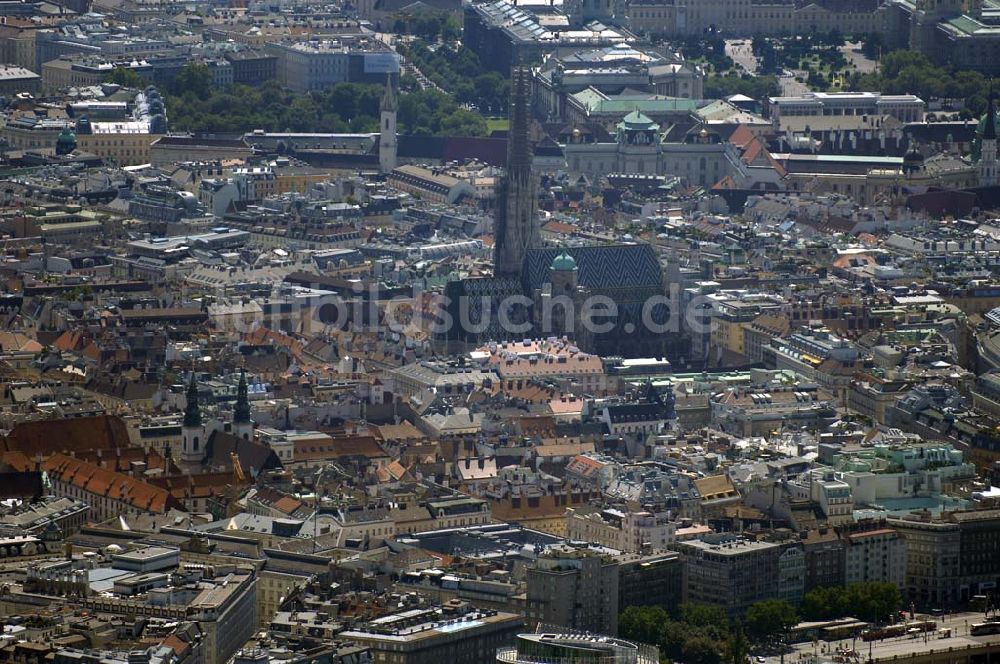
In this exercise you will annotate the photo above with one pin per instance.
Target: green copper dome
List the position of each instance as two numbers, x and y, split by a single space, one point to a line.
564 263
637 120
66 141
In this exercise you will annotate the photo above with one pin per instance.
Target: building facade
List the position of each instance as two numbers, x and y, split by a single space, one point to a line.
733 573
574 588
950 559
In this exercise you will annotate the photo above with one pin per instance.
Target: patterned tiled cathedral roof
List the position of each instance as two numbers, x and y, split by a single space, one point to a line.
602 268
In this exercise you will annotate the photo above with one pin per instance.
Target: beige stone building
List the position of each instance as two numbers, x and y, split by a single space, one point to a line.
125 149
621 529
749 17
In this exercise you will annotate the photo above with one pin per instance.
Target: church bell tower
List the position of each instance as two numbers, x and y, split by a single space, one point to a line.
387 137
242 424
193 430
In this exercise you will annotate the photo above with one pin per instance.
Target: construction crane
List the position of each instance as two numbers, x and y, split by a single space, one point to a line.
238 476
235 488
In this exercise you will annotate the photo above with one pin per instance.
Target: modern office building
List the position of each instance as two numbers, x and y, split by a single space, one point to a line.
454 633
732 572
502 32
574 588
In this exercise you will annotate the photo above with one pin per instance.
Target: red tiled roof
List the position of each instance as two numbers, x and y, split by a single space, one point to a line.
83 434
339 447
116 486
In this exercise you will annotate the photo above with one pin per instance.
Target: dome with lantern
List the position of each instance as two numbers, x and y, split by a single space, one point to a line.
66 141
564 263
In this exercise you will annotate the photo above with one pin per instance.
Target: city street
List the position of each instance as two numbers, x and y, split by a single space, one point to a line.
740 52
791 87
901 646
852 51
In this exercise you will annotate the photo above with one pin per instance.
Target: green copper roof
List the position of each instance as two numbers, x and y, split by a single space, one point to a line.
637 120
564 263
595 102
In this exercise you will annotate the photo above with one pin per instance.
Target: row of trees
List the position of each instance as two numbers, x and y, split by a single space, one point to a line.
346 107
871 602
798 53
710 48
757 87
697 634
194 104
902 72
193 80
431 26
458 70
429 112
702 634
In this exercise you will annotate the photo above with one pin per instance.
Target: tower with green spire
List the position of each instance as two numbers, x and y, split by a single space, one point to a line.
193 430
242 424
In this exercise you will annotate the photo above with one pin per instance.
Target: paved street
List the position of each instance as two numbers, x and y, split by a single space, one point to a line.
739 51
901 646
852 51
790 87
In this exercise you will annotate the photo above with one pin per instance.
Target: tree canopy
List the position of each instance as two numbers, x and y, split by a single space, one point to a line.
872 602
643 623
694 634
193 79
756 87
769 619
909 72
346 107
459 71
430 26
125 77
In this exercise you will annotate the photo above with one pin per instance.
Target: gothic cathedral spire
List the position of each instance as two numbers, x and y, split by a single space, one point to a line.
988 146
516 229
